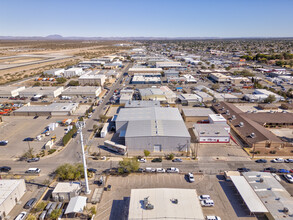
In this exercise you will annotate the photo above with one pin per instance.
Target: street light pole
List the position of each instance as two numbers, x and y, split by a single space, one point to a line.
87 190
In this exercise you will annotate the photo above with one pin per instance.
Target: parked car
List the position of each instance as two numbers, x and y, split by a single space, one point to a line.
289 178
213 217
288 160
140 170
261 161
30 203
92 170
243 169
74 135
21 216
28 139
142 160
160 170
5 169
172 170
3 143
150 170
157 160
270 170
35 159
278 160
207 203
283 171
177 160
190 177
204 197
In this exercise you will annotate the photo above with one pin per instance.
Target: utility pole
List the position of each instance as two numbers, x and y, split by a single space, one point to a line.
87 190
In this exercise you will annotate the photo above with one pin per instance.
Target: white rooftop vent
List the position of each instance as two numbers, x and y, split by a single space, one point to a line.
252 135
233 117
271 111
241 124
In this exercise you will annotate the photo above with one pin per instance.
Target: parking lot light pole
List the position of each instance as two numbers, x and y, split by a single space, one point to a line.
87 190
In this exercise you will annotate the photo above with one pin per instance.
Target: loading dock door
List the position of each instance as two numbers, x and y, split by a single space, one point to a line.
157 148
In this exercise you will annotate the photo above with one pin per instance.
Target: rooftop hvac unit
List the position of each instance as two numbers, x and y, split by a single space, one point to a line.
261 180
233 117
202 132
271 111
241 124
252 135
285 209
217 132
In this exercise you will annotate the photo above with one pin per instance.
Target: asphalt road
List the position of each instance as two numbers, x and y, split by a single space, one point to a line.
72 152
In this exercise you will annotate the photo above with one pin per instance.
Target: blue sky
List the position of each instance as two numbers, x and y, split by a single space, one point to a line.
149 18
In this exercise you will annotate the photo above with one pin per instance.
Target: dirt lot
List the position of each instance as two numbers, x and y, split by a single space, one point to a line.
114 203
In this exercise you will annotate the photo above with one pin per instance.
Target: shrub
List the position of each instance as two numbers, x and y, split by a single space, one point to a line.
170 157
146 153
51 151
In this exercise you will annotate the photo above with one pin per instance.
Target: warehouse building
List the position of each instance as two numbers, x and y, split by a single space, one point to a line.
82 91
168 64
11 191
267 93
133 70
167 203
55 72
211 133
154 129
92 79
51 92
73 72
141 104
189 99
145 80
196 114
171 73
10 91
204 96
164 94
54 109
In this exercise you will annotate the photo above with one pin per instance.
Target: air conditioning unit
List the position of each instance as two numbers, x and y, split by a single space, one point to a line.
241 124
252 135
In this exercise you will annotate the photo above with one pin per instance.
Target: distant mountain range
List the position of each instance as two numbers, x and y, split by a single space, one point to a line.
59 37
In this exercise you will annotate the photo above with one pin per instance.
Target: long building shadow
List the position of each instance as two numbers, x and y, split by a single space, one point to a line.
119 209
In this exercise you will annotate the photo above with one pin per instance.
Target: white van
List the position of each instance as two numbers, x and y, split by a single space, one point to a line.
33 170
150 170
204 197
207 203
212 217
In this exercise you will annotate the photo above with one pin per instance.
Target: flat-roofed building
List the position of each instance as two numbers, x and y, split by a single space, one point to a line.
142 104
55 72
168 203
41 91
219 77
82 91
92 79
189 99
204 96
125 97
171 73
145 80
63 192
196 114
154 129
211 133
133 70
76 71
152 94
11 191
10 91
54 109
168 64
267 93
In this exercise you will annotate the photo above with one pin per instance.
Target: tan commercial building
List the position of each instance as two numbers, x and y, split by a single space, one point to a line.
196 114
92 80
42 91
219 77
131 71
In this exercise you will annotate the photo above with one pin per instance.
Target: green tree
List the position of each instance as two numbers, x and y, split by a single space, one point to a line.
270 99
170 156
146 153
70 172
39 207
213 66
55 214
61 80
37 84
73 83
129 164
31 217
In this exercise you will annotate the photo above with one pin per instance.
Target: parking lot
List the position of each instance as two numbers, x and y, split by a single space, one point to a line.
114 203
16 129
